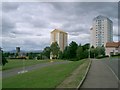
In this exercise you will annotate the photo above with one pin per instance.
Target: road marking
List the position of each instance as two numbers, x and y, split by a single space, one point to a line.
24 71
113 72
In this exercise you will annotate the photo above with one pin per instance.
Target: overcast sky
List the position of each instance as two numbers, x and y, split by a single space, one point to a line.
28 24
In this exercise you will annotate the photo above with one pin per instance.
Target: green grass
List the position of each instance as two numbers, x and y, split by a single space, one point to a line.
0 67
47 77
14 63
76 76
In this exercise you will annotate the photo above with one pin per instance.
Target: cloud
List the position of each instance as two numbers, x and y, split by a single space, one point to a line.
7 25
28 24
8 7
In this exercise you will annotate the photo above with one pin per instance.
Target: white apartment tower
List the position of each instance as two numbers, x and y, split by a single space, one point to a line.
60 37
101 31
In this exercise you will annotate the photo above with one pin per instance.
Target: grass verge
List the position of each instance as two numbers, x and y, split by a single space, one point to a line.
47 77
75 77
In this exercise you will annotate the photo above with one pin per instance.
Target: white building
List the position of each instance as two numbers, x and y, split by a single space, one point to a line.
60 37
101 31
112 48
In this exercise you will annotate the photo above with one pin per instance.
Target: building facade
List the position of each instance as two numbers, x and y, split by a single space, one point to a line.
101 31
60 37
17 50
112 48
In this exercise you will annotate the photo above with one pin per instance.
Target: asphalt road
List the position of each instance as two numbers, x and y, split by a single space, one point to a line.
114 64
100 76
12 72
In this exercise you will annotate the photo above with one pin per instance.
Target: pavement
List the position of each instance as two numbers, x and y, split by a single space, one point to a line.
16 71
100 76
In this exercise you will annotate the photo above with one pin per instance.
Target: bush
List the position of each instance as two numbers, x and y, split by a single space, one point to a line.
74 59
99 57
115 55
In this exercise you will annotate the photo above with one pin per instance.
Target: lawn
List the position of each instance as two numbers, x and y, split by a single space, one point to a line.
76 76
47 77
0 80
15 63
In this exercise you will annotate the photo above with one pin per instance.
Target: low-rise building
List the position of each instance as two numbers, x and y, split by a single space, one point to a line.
112 48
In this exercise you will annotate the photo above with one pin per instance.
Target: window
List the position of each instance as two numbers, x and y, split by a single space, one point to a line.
111 53
116 48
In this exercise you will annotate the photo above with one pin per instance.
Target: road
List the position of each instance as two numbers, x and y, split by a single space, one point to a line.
12 72
114 64
100 76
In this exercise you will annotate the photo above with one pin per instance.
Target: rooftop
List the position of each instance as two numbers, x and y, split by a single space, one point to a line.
57 30
113 44
101 18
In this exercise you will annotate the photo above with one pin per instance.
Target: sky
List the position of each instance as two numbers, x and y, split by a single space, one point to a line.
28 24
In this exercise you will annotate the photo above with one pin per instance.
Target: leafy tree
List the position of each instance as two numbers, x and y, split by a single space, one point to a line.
86 53
99 51
16 55
103 50
6 54
86 49
55 49
39 57
12 54
86 46
46 52
73 47
79 52
60 55
3 60
66 53
30 55
92 52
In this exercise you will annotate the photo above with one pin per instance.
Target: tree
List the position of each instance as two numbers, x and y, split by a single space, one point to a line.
79 53
103 50
39 57
86 49
30 55
73 47
54 49
85 53
66 53
60 55
92 52
86 46
99 51
4 61
6 54
16 55
46 52
2 58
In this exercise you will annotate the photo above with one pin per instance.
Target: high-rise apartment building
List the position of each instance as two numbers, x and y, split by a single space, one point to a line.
60 37
101 31
17 49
